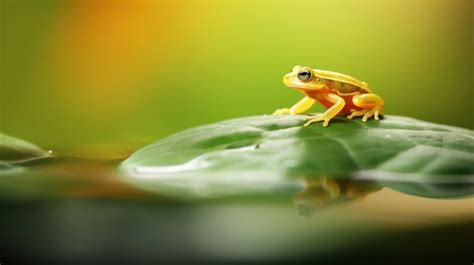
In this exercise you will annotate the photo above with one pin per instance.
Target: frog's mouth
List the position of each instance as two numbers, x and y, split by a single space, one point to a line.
305 88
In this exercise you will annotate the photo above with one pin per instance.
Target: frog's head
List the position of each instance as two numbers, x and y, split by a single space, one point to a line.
303 79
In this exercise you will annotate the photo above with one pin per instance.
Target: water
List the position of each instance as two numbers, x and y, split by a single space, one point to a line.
75 210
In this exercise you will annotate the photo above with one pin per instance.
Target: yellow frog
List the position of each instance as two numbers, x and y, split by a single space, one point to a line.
341 94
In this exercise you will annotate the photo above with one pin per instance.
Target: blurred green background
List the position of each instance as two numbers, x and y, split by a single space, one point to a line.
83 72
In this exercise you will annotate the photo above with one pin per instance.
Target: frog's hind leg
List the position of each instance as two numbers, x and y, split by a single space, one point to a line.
371 104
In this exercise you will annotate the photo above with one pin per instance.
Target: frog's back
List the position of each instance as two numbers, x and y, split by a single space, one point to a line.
341 83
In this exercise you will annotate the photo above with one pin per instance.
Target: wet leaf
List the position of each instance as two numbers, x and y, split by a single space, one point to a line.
6 168
13 150
272 154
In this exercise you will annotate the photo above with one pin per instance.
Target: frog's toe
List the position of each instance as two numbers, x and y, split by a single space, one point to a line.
376 115
375 112
367 116
356 113
371 113
317 118
312 116
310 120
326 123
350 116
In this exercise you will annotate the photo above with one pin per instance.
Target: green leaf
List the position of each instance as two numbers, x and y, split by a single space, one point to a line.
276 154
6 168
14 150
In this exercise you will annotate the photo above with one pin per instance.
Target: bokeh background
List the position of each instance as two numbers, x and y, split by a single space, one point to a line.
77 73
85 76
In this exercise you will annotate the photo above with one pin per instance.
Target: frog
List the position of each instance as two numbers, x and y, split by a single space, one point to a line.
320 192
341 94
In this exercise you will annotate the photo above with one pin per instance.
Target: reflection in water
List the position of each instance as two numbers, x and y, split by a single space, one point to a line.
86 201
324 192
67 177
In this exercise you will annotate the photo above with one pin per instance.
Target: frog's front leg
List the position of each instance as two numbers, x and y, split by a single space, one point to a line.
371 104
300 107
331 112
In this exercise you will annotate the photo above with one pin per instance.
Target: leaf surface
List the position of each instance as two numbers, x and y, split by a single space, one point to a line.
15 150
272 154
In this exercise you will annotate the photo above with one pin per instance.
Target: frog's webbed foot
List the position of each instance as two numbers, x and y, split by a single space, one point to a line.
316 118
284 111
367 113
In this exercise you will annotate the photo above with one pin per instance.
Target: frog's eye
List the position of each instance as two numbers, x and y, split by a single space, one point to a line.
305 74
